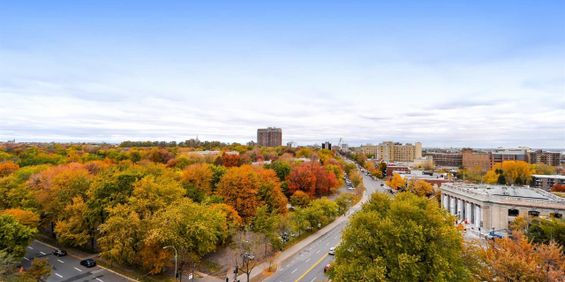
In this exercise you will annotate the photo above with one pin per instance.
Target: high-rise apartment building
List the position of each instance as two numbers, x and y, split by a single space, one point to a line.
269 137
397 152
327 145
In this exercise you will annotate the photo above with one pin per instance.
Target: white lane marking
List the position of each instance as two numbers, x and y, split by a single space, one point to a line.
99 279
318 251
60 261
58 275
30 247
313 279
294 270
26 259
42 253
327 243
77 269
307 260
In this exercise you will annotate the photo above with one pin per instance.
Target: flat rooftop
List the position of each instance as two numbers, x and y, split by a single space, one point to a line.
553 176
503 192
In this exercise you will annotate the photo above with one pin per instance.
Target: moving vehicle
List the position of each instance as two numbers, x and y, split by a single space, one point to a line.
332 251
88 263
60 253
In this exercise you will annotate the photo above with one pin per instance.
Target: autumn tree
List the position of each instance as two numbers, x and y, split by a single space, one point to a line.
313 179
151 194
39 271
72 227
517 259
7 168
510 172
197 180
246 188
300 199
14 236
121 236
421 188
194 229
25 217
396 182
405 238
544 169
57 186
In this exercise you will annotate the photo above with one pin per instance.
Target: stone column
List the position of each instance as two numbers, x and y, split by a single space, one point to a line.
468 212
460 208
452 205
477 216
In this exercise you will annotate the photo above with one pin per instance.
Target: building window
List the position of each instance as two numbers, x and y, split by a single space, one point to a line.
513 212
555 215
533 213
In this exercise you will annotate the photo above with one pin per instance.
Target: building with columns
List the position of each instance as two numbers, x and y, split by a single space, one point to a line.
488 207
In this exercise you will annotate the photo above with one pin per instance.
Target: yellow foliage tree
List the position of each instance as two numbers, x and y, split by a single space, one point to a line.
396 181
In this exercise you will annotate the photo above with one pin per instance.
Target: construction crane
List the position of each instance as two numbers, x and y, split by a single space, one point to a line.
339 143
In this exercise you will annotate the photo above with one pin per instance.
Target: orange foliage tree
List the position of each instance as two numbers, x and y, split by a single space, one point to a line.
24 217
7 168
396 182
199 176
519 260
313 179
245 188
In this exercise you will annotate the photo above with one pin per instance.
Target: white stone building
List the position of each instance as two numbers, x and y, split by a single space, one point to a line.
488 207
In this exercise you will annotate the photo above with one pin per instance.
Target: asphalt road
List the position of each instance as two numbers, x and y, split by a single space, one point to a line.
68 268
308 264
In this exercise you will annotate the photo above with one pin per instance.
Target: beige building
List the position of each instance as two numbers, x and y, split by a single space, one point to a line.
471 159
488 207
397 152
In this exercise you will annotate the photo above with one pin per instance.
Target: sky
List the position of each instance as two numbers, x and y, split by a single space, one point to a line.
446 73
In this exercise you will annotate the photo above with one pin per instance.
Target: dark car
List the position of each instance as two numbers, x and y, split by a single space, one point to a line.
88 262
327 268
60 253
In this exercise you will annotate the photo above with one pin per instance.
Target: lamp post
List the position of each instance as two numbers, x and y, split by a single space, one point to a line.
176 262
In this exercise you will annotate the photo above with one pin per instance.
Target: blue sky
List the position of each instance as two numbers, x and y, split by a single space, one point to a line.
447 73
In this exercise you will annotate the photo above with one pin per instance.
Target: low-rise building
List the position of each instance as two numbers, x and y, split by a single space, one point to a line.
493 207
547 181
446 159
544 157
472 159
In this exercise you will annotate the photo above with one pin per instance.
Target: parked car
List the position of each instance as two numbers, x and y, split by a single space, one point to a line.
88 262
332 251
60 253
493 235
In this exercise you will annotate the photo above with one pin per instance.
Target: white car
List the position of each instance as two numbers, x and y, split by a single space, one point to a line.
332 251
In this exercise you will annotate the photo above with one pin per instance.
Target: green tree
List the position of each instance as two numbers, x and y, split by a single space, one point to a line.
407 238
194 229
546 230
344 201
14 236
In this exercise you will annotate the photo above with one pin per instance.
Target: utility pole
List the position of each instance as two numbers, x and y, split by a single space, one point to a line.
176 260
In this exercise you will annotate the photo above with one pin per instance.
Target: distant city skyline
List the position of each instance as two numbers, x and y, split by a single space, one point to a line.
445 73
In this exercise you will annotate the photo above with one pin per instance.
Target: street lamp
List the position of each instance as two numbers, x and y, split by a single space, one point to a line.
176 262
